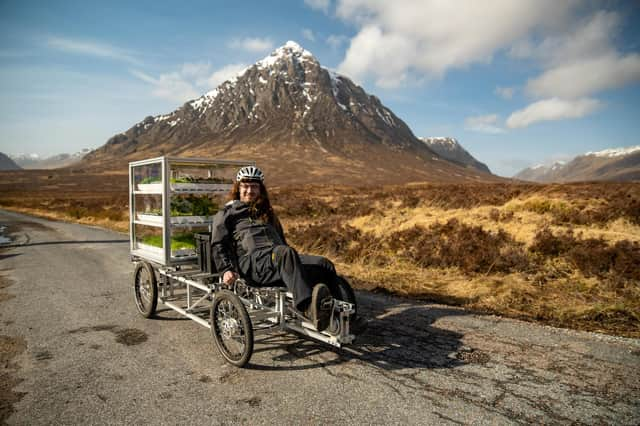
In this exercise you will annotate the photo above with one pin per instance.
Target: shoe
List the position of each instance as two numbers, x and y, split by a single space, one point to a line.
321 307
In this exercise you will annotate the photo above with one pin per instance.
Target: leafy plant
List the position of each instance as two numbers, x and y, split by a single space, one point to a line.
184 241
150 179
154 212
193 206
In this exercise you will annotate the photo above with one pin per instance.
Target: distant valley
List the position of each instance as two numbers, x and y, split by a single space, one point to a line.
36 161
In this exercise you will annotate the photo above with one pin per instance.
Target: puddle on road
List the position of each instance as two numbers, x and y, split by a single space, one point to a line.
131 336
125 336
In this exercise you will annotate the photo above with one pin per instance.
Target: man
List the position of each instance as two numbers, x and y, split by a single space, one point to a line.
248 241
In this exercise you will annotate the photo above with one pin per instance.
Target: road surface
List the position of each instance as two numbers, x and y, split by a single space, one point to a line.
74 350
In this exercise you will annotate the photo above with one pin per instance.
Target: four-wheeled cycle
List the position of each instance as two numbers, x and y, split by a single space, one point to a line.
171 204
236 313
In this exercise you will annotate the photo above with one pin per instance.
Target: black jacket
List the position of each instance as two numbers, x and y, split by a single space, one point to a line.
236 234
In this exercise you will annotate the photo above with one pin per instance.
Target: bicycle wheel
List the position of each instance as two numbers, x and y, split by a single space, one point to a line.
231 328
145 289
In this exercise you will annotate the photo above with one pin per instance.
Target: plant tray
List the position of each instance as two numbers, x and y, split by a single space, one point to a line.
157 251
201 187
150 187
186 187
175 220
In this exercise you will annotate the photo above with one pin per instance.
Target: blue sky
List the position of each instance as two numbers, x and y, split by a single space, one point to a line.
518 83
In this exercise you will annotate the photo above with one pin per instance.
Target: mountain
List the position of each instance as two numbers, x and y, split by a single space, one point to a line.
617 164
7 163
35 161
450 149
298 120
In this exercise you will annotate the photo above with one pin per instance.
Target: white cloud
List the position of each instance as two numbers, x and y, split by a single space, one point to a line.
322 5
195 69
225 73
483 124
505 92
370 50
91 48
308 34
572 43
252 44
580 61
144 77
335 41
582 38
173 86
586 77
430 37
189 82
552 109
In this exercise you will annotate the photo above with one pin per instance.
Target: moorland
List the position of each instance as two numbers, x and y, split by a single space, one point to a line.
563 255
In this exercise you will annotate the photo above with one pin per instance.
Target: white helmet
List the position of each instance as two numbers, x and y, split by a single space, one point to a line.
250 173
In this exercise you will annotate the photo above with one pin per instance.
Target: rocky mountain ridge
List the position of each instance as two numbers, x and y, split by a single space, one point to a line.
6 163
450 149
616 164
298 120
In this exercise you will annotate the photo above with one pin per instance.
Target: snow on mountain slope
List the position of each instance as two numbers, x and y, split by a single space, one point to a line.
450 149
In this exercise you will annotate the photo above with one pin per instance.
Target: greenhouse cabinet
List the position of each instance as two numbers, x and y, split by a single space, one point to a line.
171 200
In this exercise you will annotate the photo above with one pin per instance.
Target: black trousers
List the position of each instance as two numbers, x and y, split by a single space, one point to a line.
281 264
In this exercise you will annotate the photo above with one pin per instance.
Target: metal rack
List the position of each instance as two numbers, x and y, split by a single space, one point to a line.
155 179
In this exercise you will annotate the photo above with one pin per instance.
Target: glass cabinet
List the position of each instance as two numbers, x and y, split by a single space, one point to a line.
171 199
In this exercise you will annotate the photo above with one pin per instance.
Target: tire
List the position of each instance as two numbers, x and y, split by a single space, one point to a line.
231 328
145 289
347 294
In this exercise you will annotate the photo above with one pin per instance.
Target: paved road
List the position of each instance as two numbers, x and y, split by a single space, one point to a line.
74 350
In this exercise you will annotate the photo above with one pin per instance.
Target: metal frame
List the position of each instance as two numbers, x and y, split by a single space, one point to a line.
191 292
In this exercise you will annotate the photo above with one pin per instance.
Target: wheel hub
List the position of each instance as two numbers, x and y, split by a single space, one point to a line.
229 327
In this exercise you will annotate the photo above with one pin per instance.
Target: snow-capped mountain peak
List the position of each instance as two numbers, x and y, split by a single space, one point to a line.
289 75
289 51
615 152
287 104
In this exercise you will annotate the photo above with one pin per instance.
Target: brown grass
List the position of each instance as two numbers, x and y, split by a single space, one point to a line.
564 255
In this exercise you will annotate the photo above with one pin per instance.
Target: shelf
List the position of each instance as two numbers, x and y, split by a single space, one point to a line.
184 188
145 251
158 252
177 221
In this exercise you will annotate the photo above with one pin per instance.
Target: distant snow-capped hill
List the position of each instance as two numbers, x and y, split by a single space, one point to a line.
540 172
35 161
616 164
450 149
6 163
